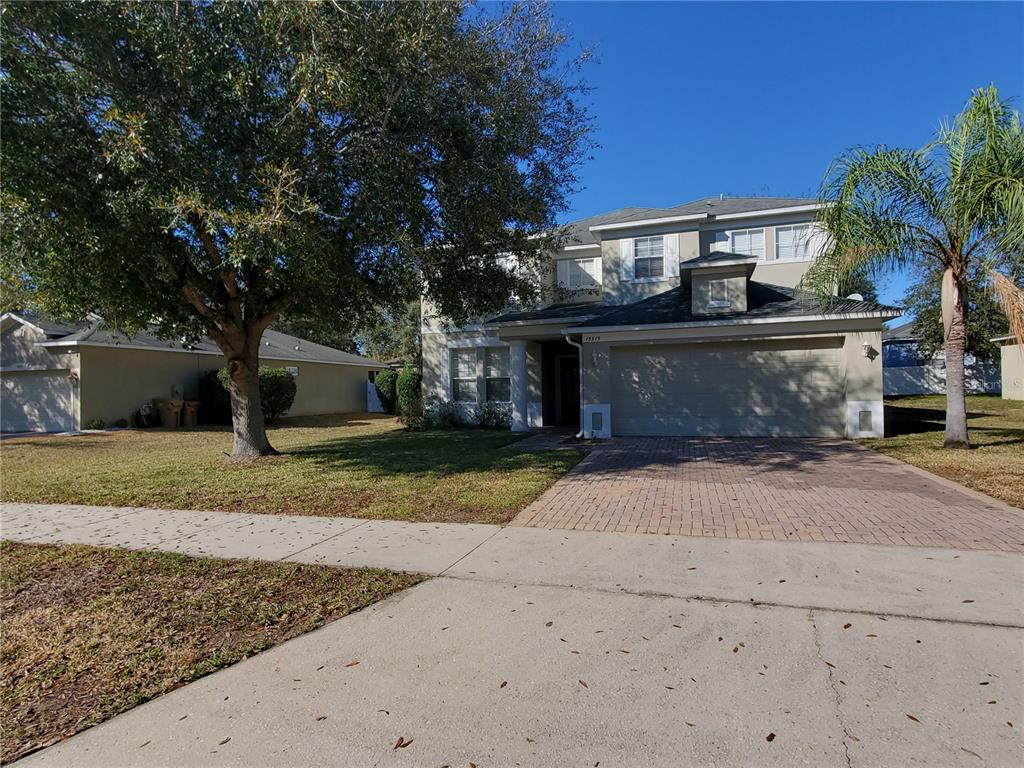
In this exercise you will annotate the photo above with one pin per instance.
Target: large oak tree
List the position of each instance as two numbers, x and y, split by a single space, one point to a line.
209 166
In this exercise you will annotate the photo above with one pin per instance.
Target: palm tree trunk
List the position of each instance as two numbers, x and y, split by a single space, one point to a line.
956 393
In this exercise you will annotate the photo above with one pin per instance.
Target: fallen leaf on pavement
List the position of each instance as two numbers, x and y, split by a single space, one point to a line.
584 683
914 718
770 737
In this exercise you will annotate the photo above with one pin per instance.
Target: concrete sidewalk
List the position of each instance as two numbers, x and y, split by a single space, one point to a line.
942 584
539 647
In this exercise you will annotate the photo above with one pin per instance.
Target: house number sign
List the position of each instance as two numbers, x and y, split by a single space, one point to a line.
591 339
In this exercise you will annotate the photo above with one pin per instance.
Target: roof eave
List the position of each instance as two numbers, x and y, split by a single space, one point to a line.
734 321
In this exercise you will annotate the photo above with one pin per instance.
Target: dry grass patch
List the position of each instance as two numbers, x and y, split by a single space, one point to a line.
338 466
89 633
994 465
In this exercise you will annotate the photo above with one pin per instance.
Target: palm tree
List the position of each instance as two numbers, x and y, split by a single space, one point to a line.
957 203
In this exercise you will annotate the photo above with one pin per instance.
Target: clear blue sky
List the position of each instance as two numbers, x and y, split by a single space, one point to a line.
695 99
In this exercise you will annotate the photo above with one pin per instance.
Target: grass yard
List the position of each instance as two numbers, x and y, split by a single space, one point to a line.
995 464
334 466
88 633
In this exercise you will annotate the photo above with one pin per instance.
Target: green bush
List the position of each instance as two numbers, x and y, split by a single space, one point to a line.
386 383
121 423
492 415
409 388
277 393
96 424
441 414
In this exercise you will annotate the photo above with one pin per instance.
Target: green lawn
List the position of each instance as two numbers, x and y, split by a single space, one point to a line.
995 464
88 633
336 466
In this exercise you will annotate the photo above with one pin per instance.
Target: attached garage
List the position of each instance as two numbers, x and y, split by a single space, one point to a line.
790 387
37 401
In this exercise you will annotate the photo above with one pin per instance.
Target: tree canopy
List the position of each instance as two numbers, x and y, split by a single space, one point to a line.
209 166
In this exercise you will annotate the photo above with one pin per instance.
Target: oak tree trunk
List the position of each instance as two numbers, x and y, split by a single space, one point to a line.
955 346
246 408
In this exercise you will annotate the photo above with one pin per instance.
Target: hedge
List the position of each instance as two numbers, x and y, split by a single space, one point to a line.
409 388
386 383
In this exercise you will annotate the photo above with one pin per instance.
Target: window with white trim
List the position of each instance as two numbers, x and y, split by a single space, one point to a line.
718 293
498 380
575 274
648 257
464 375
793 243
749 242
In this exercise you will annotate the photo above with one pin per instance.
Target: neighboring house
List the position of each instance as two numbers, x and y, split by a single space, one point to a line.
907 370
677 321
58 377
1011 359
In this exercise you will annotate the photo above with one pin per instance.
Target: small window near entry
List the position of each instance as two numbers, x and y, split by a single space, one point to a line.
648 257
497 378
464 375
718 293
292 369
793 243
749 242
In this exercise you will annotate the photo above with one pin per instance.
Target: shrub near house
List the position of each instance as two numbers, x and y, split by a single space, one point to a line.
277 393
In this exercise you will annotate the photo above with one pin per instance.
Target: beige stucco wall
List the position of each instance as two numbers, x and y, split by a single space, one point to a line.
18 350
1011 358
115 382
736 277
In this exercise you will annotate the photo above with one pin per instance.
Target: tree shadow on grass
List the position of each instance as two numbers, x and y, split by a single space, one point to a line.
907 420
445 452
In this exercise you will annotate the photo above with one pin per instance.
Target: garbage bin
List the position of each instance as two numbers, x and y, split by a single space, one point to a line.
169 411
188 414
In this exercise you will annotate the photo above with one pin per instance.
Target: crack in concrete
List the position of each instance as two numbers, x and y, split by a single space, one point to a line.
733 601
324 541
835 689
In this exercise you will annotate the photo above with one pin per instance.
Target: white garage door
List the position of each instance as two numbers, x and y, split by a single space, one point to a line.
790 388
36 401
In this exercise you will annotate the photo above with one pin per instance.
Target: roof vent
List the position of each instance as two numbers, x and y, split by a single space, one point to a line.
855 297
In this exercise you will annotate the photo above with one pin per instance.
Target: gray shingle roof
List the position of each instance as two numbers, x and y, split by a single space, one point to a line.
579 231
274 346
556 312
716 257
763 301
902 332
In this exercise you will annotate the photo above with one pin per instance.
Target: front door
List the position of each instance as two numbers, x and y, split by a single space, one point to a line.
567 400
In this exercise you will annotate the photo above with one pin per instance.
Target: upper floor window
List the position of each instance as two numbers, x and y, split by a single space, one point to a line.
749 242
718 293
648 257
464 375
575 274
793 243
498 380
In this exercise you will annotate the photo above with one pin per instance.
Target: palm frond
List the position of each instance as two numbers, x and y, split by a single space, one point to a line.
1011 296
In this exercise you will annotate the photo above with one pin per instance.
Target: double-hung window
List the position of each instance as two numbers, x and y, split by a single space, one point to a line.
749 242
464 375
576 274
498 381
793 243
648 257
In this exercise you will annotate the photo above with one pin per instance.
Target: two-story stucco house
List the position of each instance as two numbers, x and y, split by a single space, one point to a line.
677 321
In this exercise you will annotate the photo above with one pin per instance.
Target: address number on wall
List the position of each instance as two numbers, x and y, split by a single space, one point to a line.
591 339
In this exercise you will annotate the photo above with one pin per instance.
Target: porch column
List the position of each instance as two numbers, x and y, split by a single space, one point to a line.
517 352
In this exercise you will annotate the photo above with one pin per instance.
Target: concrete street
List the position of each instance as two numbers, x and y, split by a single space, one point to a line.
607 644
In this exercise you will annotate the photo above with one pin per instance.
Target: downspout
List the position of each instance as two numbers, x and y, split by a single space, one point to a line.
580 348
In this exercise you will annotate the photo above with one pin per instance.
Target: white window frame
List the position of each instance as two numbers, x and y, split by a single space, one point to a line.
575 277
649 240
806 244
453 354
488 378
724 300
748 233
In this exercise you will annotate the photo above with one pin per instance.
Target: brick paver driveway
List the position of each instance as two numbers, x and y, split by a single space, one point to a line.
753 488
